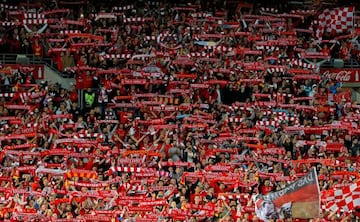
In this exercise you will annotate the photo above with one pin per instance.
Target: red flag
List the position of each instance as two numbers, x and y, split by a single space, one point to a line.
344 199
337 20
300 199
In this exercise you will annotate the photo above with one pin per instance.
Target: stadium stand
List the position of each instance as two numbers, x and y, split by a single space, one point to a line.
181 111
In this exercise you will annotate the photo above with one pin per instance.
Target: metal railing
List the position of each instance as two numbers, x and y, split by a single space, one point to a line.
350 63
11 58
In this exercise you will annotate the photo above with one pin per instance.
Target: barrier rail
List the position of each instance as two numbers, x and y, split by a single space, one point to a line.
351 63
11 58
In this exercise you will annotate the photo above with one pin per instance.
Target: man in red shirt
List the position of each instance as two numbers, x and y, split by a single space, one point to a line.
38 49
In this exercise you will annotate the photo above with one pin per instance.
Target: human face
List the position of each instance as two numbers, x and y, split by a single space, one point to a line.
68 208
43 208
268 210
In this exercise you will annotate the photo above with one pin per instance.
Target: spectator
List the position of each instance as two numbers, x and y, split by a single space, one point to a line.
67 61
89 98
26 47
37 49
184 117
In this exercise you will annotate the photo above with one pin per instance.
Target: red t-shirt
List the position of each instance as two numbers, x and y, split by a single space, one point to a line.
326 51
38 50
266 189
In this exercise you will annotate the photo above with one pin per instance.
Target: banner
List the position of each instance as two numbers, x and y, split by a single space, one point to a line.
300 199
340 75
336 20
343 199
37 71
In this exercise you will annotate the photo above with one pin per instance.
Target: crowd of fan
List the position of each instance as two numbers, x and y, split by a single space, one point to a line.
184 117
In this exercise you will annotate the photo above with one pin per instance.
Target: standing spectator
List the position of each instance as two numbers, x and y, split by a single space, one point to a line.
344 51
37 49
67 61
326 49
14 42
26 47
89 99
